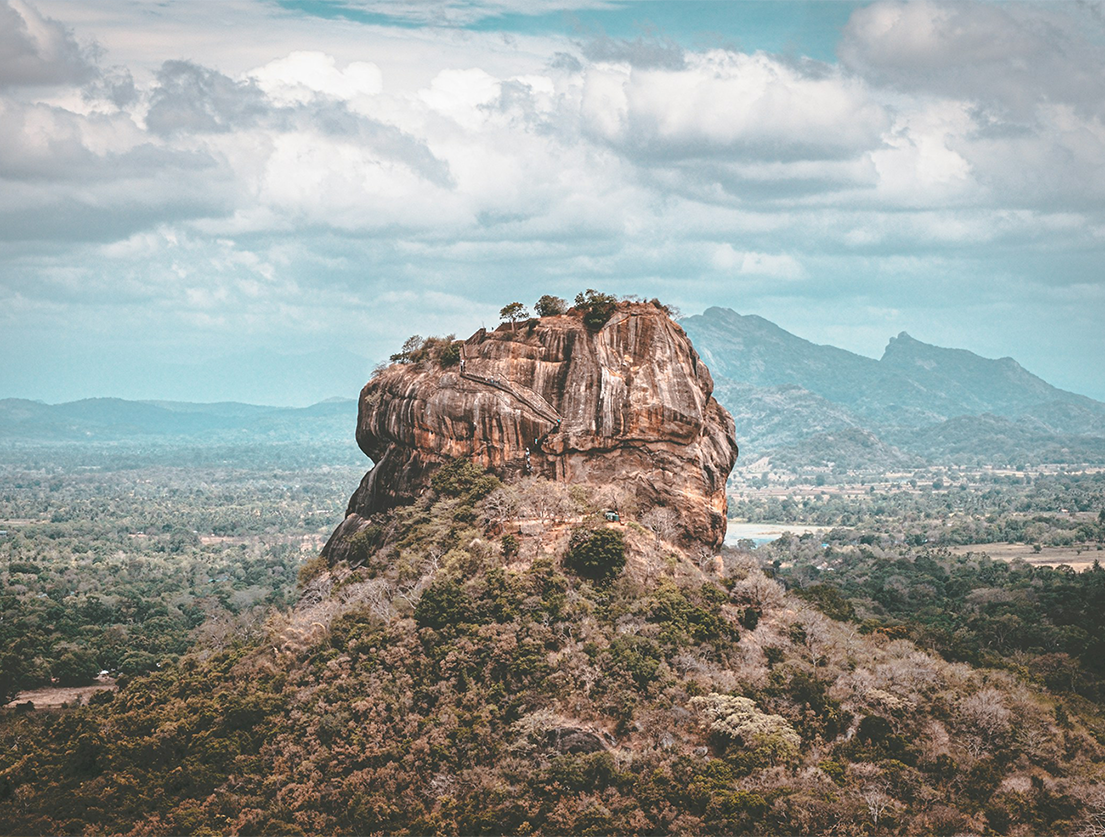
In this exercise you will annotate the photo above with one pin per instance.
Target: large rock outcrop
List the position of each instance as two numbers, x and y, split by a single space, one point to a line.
628 406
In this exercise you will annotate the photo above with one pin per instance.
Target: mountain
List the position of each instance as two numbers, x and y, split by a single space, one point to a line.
625 409
471 655
115 419
786 392
255 377
800 403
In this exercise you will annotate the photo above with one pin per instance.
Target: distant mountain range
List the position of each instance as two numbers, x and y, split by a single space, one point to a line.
255 377
117 420
806 404
799 403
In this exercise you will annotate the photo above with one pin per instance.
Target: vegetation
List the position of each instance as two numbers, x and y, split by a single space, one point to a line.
946 507
550 306
513 311
122 566
597 308
444 351
429 689
597 554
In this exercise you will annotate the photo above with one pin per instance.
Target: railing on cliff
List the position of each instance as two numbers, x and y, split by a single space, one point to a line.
549 414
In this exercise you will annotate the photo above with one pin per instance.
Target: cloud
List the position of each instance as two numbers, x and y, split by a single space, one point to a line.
731 104
303 76
457 12
662 54
35 50
780 266
1009 57
285 189
194 99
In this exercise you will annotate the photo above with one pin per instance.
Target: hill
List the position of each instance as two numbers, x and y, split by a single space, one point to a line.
115 420
921 402
511 634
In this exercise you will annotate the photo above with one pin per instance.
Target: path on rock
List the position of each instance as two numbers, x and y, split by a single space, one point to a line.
549 414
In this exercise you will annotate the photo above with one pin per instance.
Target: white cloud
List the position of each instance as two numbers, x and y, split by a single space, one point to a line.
462 95
322 166
732 104
463 12
780 266
1009 56
301 76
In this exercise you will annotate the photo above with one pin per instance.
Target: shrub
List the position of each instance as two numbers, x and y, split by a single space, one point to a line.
312 568
361 544
461 478
419 349
410 351
829 600
874 729
76 667
597 308
638 657
597 554
450 355
549 306
510 546
737 719
443 604
670 310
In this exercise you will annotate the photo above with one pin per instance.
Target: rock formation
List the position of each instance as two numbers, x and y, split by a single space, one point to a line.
628 406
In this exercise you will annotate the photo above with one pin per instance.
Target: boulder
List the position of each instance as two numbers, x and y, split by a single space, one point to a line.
628 407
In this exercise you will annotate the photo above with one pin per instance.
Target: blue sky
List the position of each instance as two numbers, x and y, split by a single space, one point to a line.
186 182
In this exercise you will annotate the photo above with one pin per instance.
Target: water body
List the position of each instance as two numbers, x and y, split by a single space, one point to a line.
761 533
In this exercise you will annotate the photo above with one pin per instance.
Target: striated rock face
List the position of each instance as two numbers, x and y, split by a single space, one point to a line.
629 406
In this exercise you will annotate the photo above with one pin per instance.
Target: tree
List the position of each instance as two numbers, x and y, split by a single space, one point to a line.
597 554
442 605
513 311
663 521
11 675
549 306
597 307
737 719
409 353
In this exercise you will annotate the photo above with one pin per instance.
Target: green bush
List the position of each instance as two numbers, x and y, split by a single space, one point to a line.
596 554
450 355
362 544
419 349
461 478
443 605
549 306
829 600
597 308
311 569
75 668
638 657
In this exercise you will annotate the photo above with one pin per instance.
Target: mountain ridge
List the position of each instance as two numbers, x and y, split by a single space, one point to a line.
766 376
791 398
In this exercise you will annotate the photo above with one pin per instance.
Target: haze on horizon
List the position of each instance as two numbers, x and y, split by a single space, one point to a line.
182 183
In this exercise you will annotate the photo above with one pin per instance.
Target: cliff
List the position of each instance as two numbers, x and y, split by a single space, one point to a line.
628 407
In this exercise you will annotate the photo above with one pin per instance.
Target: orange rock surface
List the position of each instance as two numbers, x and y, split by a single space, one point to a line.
628 406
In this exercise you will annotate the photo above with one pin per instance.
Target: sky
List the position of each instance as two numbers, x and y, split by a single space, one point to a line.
191 193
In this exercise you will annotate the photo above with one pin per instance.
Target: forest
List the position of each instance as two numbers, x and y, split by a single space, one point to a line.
118 561
452 676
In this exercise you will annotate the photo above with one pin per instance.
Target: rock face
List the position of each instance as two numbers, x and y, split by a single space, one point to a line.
628 406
